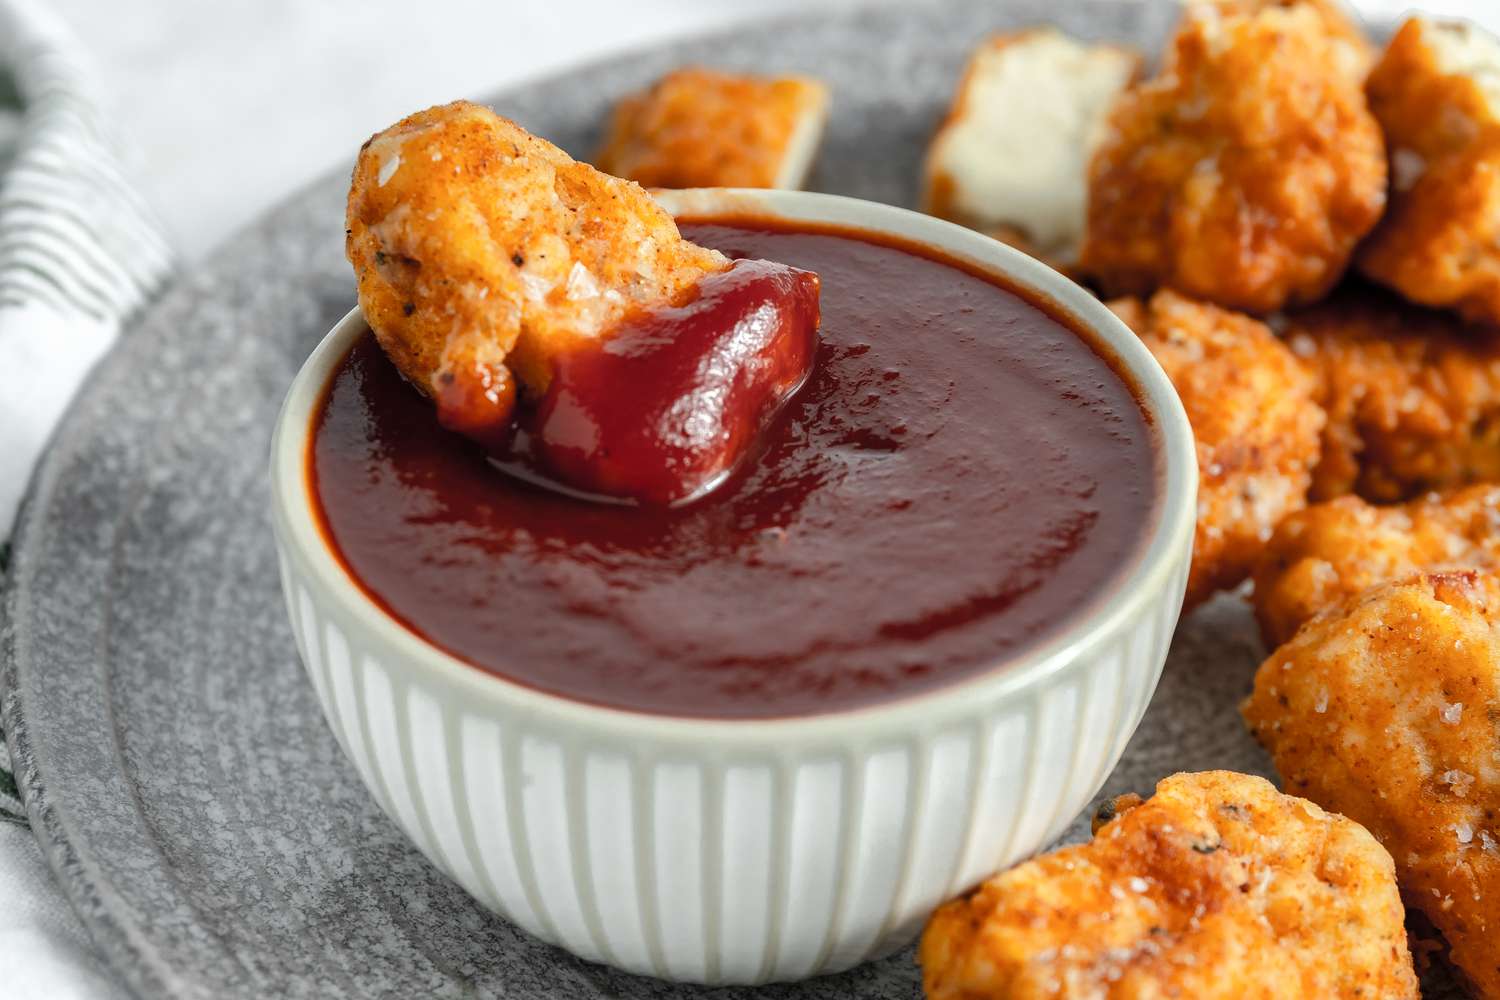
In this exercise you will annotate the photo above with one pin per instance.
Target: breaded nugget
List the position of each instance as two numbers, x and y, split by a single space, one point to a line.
1254 419
1354 55
1436 92
701 128
1385 709
482 251
1326 554
1435 88
1245 172
1011 159
1413 396
1218 886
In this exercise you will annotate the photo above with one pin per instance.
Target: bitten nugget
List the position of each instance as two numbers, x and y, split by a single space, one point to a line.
1413 396
1011 159
1436 92
482 251
1218 886
701 128
1385 710
1322 556
1245 172
1255 422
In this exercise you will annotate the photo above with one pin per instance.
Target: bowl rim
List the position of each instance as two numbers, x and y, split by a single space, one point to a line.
1150 577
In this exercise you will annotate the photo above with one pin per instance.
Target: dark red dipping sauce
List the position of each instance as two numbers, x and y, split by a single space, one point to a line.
961 475
676 397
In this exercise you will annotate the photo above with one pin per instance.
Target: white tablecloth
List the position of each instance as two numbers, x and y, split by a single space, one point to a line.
229 104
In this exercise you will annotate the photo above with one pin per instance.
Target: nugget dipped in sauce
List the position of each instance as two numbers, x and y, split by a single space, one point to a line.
1328 553
522 290
1247 170
1436 92
1255 424
1385 710
1217 887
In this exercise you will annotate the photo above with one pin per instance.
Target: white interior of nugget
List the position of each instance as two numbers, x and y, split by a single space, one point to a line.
1017 153
1463 49
806 136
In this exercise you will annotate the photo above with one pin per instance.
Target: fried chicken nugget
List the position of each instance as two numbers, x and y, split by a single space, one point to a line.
1385 710
1322 556
1412 395
1011 158
1254 419
482 251
702 128
1218 886
1436 92
1246 171
1353 53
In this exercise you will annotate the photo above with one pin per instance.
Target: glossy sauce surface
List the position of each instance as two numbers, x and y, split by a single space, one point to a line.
961 476
676 398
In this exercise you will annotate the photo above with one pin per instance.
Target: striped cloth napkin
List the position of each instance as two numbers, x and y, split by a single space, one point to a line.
79 252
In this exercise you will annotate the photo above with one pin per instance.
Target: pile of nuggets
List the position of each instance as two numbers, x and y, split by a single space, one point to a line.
1305 232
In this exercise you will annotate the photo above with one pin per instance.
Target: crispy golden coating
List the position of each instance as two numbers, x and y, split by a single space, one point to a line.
1110 809
1246 171
1412 395
1255 422
1354 55
1218 886
1431 88
1324 555
1436 92
1440 243
1385 710
701 128
482 250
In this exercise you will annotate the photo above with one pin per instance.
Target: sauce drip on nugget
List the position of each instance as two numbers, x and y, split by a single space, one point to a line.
554 313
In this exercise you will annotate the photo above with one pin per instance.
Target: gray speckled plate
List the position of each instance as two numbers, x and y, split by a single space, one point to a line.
189 796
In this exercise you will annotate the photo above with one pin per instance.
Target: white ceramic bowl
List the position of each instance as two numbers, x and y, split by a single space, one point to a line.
738 851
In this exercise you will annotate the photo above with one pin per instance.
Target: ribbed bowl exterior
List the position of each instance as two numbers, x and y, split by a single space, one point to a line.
722 863
753 850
